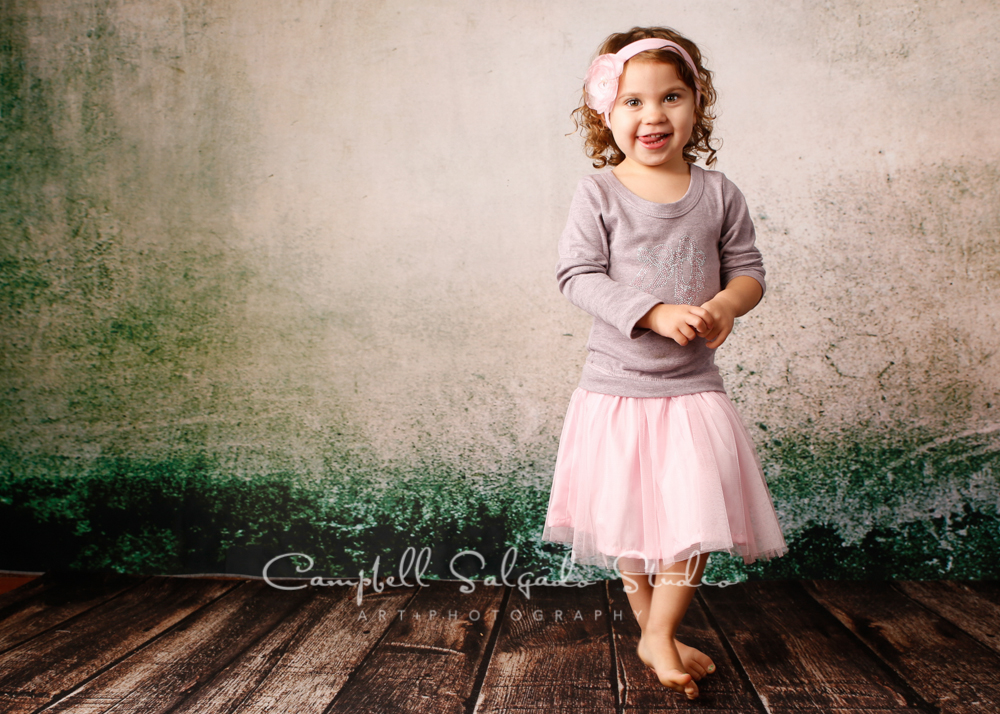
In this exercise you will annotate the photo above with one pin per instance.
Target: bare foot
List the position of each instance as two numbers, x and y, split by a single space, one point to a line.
661 655
696 662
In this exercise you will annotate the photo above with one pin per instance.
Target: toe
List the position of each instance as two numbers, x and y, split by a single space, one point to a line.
678 680
696 662
691 690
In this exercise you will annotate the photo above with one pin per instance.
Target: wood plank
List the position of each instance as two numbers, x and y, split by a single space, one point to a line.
39 670
52 599
303 663
552 655
877 647
429 658
725 690
972 606
987 588
798 656
947 667
162 674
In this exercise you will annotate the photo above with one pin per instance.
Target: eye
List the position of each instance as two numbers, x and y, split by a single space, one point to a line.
671 98
631 102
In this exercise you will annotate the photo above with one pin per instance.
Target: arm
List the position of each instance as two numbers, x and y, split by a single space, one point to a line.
738 253
582 271
741 267
742 293
741 271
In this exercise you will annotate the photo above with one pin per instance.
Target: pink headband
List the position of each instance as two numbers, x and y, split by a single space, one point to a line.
601 83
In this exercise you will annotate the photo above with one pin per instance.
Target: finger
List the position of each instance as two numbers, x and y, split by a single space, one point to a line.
700 324
702 312
720 338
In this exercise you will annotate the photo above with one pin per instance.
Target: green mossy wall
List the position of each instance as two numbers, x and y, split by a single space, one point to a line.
861 506
176 399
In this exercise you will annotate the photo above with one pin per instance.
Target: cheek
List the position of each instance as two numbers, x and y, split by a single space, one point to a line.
623 125
689 123
615 127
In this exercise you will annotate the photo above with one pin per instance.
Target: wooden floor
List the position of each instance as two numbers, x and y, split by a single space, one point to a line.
163 644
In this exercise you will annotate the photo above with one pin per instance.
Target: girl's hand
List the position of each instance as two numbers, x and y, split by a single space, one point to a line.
723 312
680 323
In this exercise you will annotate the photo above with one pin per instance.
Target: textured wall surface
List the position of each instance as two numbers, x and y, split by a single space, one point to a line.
313 243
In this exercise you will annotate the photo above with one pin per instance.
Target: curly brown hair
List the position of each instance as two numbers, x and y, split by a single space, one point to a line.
600 144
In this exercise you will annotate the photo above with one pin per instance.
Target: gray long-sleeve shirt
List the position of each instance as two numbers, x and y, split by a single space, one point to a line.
620 255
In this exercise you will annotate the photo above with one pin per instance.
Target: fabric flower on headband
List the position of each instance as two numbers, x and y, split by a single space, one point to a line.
601 82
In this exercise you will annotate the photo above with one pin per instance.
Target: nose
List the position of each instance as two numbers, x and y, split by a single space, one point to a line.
653 113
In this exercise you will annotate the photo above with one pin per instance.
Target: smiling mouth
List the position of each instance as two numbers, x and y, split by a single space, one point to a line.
654 141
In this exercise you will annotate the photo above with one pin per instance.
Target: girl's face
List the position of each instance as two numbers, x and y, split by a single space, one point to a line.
653 115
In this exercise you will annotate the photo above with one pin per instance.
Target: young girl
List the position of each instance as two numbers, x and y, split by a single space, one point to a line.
655 466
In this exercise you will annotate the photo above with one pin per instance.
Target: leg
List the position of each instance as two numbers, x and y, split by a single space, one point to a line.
670 598
696 662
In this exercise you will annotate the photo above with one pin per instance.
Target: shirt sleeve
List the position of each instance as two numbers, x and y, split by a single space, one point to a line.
582 270
738 254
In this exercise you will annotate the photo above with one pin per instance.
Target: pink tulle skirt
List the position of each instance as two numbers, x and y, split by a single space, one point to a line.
641 483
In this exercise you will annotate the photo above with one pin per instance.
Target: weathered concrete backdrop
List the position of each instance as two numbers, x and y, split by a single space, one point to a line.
306 250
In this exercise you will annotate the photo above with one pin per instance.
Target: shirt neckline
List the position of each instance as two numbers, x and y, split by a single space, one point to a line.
662 210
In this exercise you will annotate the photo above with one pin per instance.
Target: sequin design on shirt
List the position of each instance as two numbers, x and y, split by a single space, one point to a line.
684 264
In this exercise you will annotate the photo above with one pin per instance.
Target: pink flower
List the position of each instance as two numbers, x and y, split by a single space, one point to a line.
601 82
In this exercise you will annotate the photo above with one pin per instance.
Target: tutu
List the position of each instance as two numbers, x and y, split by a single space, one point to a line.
656 480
